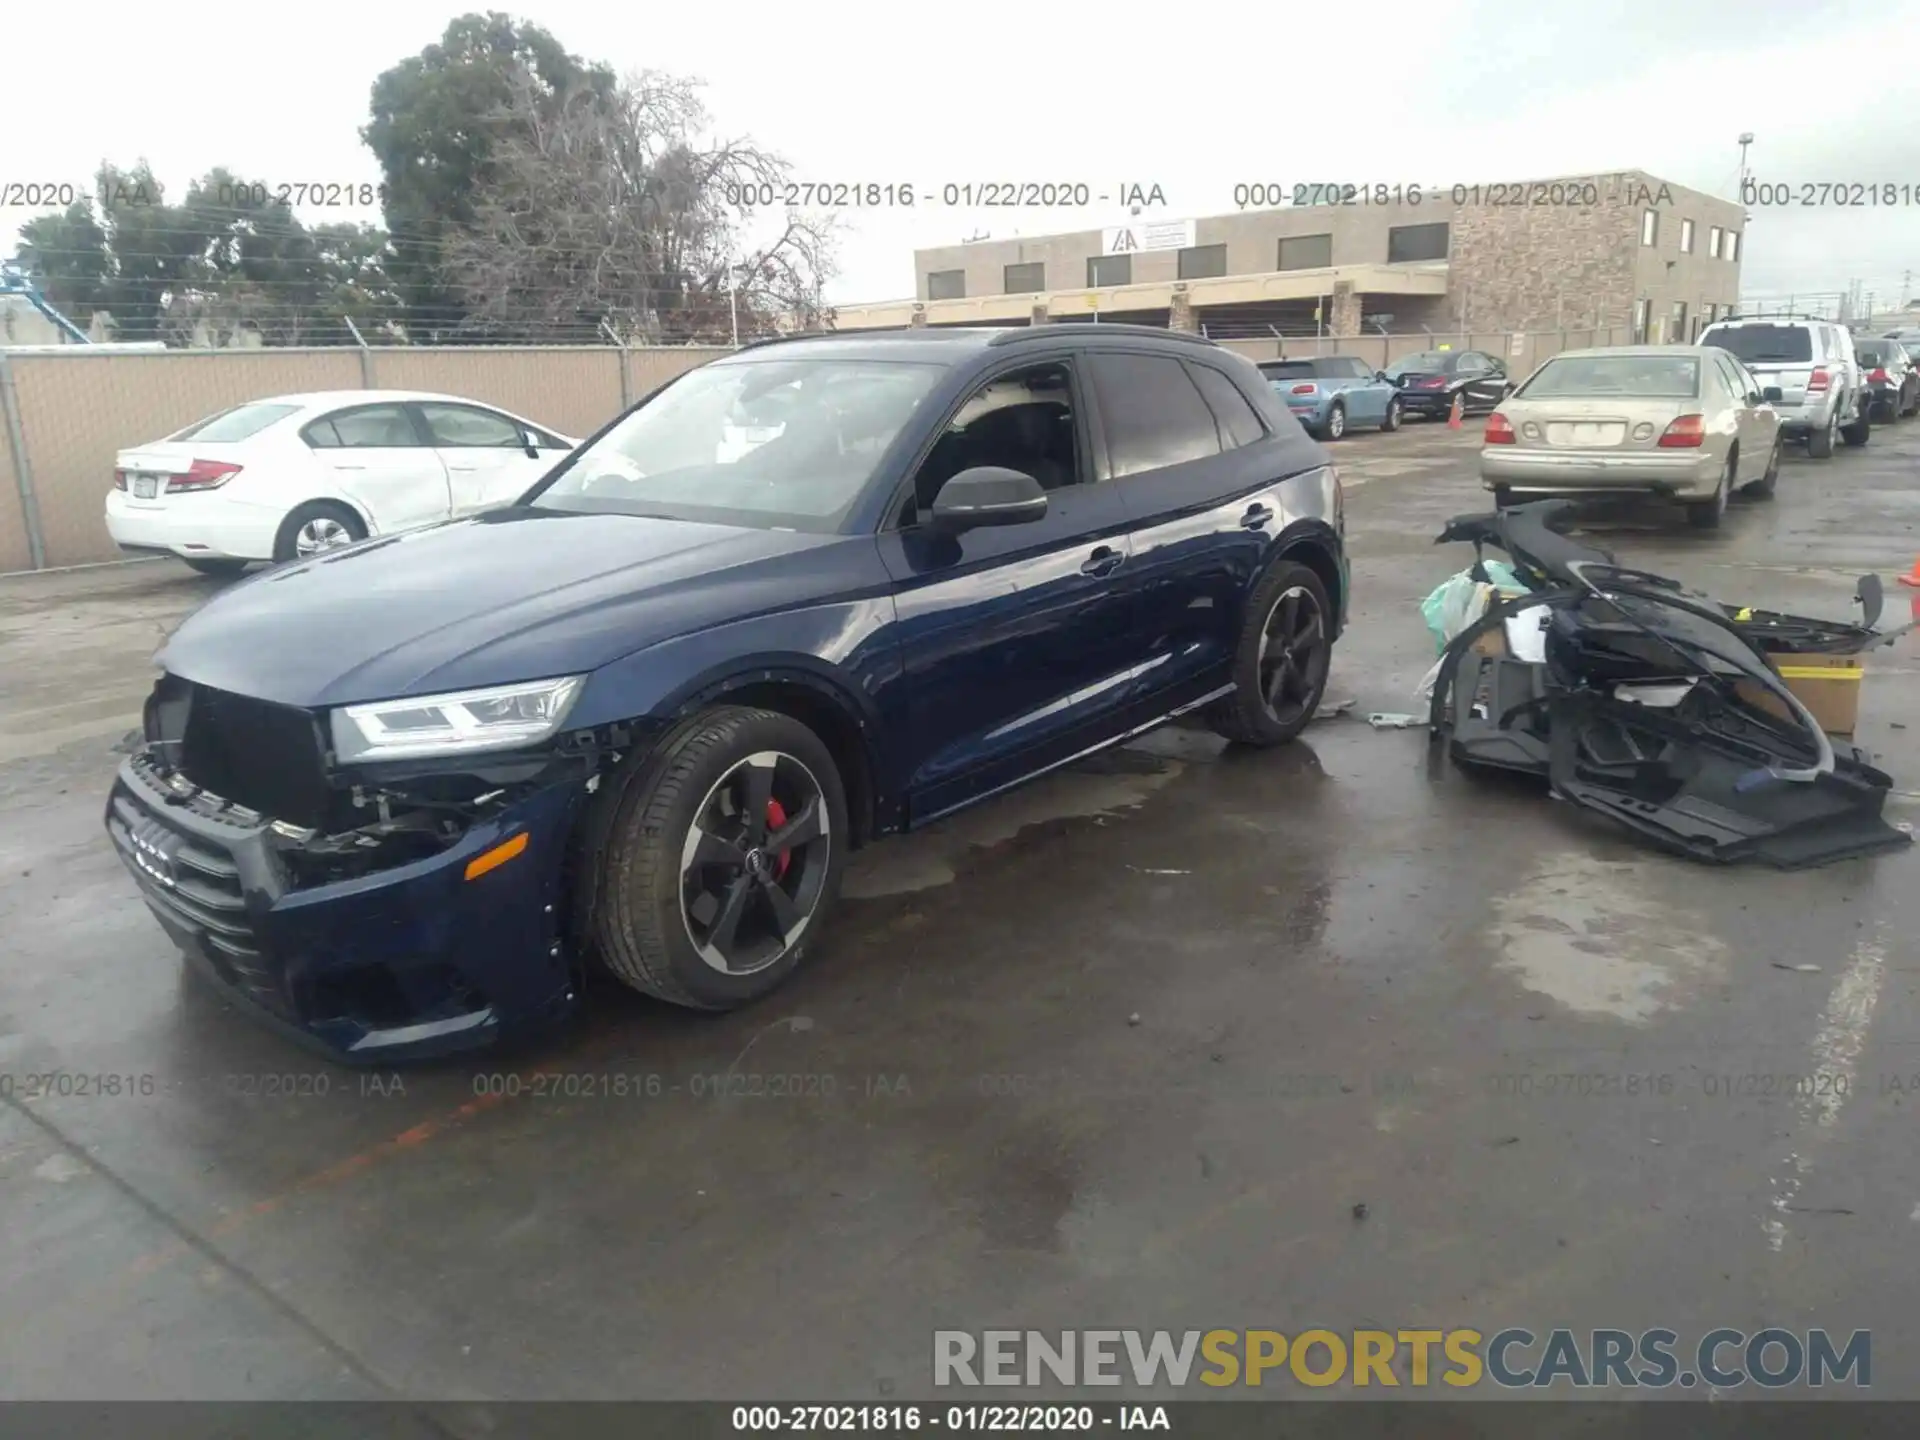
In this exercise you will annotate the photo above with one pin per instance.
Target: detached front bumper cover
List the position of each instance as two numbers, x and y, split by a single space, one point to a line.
1644 709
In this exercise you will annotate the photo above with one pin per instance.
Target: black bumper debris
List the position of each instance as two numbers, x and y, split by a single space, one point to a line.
1644 711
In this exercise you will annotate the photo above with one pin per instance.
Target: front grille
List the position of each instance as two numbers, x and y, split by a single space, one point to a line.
197 884
255 753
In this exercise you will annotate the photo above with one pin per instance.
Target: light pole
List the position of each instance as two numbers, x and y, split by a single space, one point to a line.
1746 139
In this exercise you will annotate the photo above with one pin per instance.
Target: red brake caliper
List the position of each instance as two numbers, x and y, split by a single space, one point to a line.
776 818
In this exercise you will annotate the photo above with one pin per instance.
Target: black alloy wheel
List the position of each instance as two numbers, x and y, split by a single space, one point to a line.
1285 653
709 866
753 864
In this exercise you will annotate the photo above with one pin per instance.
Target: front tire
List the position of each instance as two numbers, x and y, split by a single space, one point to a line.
721 860
1390 422
1281 662
315 528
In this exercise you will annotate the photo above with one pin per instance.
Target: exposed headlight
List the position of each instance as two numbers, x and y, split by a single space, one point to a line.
496 719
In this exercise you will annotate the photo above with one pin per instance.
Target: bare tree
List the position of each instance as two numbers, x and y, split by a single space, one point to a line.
622 210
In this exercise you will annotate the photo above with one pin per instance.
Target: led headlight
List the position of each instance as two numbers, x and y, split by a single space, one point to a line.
496 719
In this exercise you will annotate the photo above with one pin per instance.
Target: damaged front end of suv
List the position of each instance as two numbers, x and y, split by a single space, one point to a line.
1655 706
373 878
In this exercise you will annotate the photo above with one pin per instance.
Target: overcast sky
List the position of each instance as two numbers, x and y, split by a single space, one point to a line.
855 91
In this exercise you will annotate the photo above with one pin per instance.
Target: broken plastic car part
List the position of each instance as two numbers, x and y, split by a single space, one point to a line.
1643 709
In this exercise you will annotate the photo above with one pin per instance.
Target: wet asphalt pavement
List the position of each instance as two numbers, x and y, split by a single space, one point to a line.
1566 1077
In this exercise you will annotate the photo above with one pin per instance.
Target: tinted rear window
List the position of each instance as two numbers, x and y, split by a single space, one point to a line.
1872 351
242 422
1763 344
1288 370
1659 376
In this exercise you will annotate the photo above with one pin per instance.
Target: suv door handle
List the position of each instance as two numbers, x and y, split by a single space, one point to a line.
1257 517
1103 561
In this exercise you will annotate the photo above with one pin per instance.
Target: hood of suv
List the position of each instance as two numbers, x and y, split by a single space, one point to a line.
515 594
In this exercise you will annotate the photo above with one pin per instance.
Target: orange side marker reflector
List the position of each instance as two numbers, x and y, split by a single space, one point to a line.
496 857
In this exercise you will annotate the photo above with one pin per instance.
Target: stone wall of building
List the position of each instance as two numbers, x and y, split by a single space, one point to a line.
1545 267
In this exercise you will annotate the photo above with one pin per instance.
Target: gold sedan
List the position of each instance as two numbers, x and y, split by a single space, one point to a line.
1688 423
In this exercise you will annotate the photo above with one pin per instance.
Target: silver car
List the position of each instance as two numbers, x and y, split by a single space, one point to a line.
1825 398
1682 422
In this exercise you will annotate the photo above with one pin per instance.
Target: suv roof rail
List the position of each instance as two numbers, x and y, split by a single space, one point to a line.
1783 315
1090 327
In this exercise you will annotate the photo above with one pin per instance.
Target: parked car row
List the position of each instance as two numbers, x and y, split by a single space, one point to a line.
1330 394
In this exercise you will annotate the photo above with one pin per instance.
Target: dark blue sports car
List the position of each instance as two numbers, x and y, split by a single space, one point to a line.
398 796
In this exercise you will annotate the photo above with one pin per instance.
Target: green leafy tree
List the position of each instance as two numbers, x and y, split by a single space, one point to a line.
229 258
438 121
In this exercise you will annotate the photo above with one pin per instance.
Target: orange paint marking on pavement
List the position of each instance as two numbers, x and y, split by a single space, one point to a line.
409 1139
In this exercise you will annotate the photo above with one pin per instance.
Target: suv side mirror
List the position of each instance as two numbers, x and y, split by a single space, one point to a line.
1771 395
1382 375
988 495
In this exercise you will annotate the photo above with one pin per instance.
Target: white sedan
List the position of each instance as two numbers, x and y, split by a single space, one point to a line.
291 476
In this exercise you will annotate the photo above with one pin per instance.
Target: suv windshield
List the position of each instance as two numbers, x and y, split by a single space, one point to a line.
1763 344
777 444
1425 361
1671 376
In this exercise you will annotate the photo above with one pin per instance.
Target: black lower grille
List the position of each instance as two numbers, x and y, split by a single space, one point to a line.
264 756
197 885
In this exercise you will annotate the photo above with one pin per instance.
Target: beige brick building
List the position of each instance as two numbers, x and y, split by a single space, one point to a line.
1623 251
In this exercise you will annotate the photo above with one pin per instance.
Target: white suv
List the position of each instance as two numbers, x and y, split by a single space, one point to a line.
1823 392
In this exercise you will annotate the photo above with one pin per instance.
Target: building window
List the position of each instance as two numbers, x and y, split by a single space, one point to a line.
1707 313
1417 242
1109 270
1686 237
946 284
1306 252
1649 227
1026 279
1202 261
1678 334
1733 245
1639 322
1713 242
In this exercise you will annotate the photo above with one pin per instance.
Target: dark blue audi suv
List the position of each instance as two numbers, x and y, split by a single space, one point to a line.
407 796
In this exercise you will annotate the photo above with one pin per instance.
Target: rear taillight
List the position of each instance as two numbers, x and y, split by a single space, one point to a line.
1304 389
203 475
1499 430
1432 382
1686 433
119 479
1878 376
1819 380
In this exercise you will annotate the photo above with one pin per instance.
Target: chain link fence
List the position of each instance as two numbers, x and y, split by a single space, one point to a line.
67 412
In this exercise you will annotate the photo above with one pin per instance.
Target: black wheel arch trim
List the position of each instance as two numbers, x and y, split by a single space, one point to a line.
1317 545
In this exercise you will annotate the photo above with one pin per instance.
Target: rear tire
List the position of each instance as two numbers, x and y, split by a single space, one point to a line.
1856 434
1820 442
1706 514
1336 426
1390 422
1281 662
687 842
1503 497
221 568
315 520
1763 488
